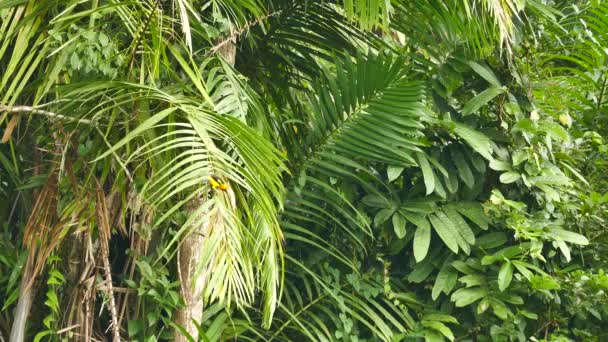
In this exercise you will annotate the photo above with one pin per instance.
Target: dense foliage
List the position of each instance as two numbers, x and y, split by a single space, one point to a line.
303 170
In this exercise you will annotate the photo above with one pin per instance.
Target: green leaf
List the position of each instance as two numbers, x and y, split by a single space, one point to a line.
528 314
544 282
432 336
509 177
399 223
491 240
506 253
519 157
393 172
440 317
505 275
39 336
477 140
382 216
500 309
11 3
523 270
421 271
481 99
474 212
52 301
427 173
442 328
133 327
418 206
569 236
445 281
467 296
464 171
500 165
422 240
376 201
563 247
445 233
485 72
472 280
461 225
556 131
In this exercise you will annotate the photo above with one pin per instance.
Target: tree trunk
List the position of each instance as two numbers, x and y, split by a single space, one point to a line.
23 305
191 249
188 257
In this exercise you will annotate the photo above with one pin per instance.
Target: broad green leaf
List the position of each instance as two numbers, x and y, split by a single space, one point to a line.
505 275
467 296
472 280
445 281
544 282
461 225
133 327
422 240
491 240
528 314
483 306
393 172
11 3
382 216
451 181
438 326
433 336
519 157
440 318
473 211
523 270
481 99
485 72
477 140
421 271
464 171
463 267
569 236
427 173
465 246
418 206
506 253
500 309
499 165
445 233
376 201
509 177
556 131
439 189
563 247
512 299
399 225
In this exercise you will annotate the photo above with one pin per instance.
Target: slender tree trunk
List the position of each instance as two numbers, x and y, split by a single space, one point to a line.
191 250
188 257
23 305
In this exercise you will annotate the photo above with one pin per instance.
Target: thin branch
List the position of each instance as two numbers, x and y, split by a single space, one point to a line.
34 110
240 31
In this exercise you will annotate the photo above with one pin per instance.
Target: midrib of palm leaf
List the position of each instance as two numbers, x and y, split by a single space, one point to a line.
351 114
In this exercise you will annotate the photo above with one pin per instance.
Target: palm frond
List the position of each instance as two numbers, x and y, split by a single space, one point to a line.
367 111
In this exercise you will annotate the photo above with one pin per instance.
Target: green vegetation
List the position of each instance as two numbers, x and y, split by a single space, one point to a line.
284 170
